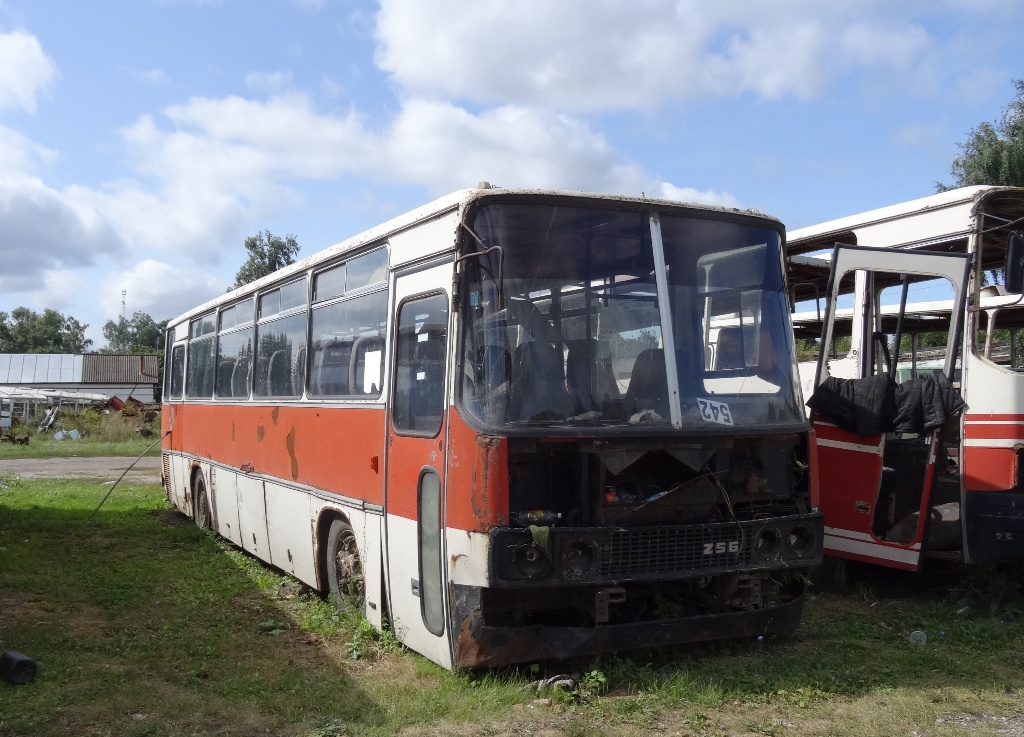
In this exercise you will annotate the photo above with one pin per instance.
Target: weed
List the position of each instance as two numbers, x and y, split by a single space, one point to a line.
331 729
591 685
994 593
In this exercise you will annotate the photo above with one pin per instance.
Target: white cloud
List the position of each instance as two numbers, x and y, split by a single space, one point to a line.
159 289
60 288
268 82
688 194
445 148
586 54
42 229
206 167
25 71
920 134
152 77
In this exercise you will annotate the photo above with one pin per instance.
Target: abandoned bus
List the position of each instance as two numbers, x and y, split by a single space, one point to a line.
512 426
920 382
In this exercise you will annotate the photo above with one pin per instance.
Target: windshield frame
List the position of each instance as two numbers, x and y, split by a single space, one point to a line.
471 246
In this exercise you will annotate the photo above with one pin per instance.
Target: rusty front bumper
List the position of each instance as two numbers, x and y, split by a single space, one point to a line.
480 645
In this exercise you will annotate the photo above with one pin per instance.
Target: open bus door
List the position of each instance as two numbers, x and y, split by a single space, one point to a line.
875 488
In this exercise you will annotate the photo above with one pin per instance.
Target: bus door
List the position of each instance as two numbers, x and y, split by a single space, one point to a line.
875 486
413 501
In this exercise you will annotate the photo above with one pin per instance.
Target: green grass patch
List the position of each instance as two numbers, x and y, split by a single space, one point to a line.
44 446
144 625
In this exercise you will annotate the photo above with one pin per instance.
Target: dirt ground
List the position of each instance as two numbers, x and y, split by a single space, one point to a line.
109 468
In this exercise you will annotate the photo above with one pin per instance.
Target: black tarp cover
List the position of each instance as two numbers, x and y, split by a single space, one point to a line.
878 404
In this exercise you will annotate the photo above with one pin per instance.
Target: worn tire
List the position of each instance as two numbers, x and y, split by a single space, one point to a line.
201 502
345 569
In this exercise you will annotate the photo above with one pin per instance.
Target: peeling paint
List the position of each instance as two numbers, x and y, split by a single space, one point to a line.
290 442
274 415
260 433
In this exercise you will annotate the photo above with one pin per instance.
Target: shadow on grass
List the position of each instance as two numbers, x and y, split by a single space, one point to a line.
849 645
145 627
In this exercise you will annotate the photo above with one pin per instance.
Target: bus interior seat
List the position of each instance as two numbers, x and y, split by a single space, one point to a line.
729 351
497 367
279 373
537 383
330 369
225 369
648 382
589 375
533 321
298 372
240 377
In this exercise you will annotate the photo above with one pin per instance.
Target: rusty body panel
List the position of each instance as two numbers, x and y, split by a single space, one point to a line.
477 478
479 644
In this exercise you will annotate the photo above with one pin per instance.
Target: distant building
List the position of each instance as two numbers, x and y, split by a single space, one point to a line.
90 373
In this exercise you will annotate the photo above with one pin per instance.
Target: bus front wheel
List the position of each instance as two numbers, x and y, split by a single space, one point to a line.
344 568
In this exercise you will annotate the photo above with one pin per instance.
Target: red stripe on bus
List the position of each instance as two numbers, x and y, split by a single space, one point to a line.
328 448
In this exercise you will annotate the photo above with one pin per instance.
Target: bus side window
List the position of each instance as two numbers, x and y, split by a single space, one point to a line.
280 348
177 383
419 369
348 347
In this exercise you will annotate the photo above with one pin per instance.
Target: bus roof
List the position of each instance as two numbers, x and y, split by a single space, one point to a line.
429 211
936 219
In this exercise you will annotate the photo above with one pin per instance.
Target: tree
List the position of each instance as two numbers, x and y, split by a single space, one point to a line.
141 334
267 254
993 153
26 331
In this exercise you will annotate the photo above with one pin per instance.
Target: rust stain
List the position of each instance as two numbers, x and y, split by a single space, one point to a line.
479 497
290 442
274 415
467 649
260 433
232 431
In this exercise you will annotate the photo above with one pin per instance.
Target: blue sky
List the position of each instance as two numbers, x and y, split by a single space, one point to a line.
141 142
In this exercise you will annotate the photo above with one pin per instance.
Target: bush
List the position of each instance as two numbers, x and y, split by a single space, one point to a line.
110 425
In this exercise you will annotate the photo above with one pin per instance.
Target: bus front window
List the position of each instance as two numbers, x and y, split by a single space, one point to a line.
575 338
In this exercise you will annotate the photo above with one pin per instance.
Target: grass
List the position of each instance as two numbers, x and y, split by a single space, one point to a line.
144 625
44 446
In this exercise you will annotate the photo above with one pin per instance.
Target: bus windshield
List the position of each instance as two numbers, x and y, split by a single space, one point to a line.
568 321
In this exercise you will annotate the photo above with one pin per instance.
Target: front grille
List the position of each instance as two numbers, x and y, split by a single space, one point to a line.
666 550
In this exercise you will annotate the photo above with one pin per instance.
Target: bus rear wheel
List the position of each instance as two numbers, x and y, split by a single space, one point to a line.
200 502
345 569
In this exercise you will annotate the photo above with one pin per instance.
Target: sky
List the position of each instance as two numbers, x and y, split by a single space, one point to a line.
142 141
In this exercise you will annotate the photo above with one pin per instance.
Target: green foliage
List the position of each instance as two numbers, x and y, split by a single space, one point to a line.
993 153
806 349
994 593
110 427
27 331
592 684
141 334
267 253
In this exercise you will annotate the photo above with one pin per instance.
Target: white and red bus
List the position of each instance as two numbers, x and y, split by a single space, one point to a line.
513 425
919 303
